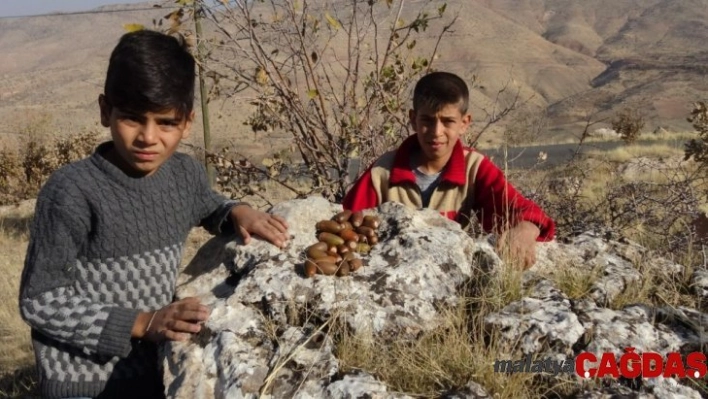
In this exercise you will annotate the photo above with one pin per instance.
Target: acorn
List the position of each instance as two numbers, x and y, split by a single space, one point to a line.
310 268
322 246
363 248
328 258
357 219
318 250
343 269
349 235
345 266
365 230
343 216
354 264
327 268
330 239
329 226
371 221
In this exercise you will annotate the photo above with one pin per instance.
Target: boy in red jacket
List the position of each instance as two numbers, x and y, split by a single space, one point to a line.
432 169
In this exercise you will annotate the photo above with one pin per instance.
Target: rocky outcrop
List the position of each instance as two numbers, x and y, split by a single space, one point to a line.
699 284
641 168
269 331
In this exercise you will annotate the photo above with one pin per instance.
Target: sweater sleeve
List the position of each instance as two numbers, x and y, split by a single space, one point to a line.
496 201
49 301
211 208
362 195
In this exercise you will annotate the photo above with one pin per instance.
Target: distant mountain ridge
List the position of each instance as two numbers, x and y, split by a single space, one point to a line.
571 58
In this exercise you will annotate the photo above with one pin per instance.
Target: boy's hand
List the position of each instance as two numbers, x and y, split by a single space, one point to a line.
175 322
249 221
520 243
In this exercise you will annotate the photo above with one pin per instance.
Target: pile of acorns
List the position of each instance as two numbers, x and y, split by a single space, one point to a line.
339 240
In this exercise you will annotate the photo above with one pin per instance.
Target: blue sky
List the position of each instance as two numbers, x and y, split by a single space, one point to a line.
33 7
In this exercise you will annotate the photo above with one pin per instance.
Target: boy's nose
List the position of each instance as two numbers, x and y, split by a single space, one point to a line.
438 127
148 134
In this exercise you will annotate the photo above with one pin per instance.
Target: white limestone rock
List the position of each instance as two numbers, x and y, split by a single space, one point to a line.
544 320
258 341
267 334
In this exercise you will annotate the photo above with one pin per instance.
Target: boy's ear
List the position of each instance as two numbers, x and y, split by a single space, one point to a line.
467 119
411 118
188 125
105 111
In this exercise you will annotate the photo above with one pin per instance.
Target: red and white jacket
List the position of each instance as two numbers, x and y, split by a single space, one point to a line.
470 182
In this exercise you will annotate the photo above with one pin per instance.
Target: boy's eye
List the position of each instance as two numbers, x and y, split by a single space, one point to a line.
168 122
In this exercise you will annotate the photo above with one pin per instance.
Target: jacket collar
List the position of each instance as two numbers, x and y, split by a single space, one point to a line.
453 172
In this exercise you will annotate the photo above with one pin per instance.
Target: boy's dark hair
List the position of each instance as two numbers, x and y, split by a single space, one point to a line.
438 89
150 72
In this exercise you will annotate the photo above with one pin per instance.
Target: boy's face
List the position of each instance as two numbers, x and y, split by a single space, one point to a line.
438 131
144 142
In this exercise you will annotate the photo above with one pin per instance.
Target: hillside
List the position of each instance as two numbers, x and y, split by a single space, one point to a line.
572 59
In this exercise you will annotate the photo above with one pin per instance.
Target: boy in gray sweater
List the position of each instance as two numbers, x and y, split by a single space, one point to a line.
107 236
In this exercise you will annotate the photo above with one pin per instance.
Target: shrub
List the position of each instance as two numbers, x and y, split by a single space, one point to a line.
628 123
25 170
335 79
698 148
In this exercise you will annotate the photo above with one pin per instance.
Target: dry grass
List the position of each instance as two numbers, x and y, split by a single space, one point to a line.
629 152
663 136
16 357
576 281
460 350
19 383
659 286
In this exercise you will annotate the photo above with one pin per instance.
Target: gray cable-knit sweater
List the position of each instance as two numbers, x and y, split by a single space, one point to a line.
103 247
